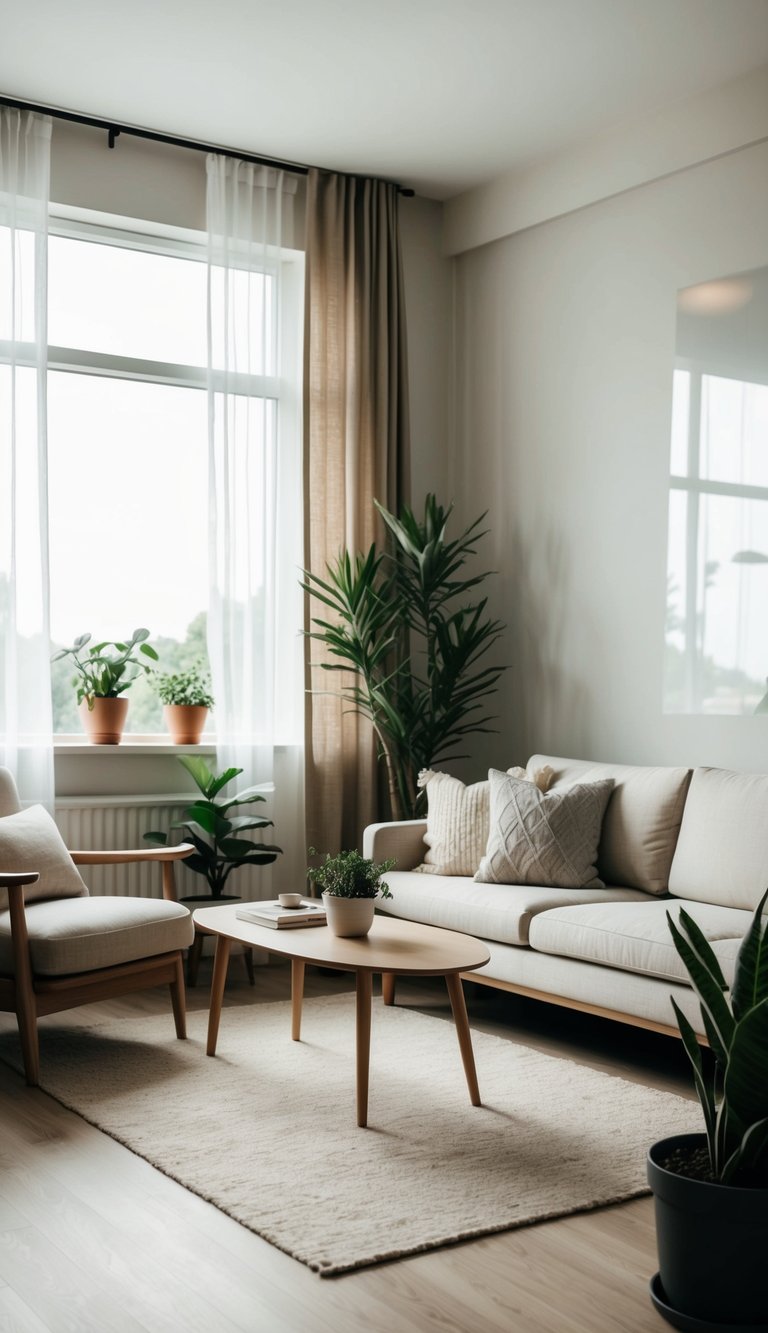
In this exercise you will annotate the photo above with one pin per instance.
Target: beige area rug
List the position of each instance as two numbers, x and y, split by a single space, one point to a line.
266 1131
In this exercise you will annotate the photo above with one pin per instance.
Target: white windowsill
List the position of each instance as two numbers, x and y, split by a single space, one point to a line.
130 745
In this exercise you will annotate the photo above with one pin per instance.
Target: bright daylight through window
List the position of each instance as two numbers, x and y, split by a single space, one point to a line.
127 446
717 568
127 458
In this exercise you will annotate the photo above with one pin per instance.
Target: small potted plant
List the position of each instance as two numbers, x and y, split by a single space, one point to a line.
103 674
186 697
350 884
711 1189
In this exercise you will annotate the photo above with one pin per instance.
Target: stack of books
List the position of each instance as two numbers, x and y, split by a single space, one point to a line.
279 918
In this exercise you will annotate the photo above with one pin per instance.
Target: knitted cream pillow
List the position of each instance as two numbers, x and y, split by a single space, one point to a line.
458 820
544 839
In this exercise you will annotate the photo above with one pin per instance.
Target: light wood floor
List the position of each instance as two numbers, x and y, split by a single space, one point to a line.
94 1240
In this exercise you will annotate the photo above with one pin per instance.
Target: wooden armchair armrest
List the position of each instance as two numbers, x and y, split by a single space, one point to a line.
18 880
15 883
103 858
167 855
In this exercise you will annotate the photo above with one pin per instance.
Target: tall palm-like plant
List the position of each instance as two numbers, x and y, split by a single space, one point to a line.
406 625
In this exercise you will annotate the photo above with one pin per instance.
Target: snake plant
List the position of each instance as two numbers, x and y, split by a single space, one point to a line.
734 1091
407 625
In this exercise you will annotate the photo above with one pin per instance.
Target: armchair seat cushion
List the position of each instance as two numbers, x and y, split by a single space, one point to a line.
84 934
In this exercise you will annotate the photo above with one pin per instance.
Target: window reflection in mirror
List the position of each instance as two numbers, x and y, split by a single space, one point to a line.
717 563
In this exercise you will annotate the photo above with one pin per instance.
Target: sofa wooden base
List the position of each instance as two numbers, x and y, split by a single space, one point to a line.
666 1029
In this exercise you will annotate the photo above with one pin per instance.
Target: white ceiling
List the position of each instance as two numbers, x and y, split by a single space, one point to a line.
438 94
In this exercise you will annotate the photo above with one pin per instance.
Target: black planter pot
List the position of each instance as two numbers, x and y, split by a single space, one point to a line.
713 1244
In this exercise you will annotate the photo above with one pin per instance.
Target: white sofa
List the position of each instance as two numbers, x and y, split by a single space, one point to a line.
670 836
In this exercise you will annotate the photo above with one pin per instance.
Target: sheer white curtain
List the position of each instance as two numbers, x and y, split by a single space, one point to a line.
26 745
255 608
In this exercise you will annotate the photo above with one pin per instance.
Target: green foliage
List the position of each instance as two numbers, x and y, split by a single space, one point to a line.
216 833
146 711
108 668
350 875
405 624
192 686
734 1095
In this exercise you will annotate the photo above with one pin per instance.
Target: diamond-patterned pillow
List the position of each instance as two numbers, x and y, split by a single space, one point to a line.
458 820
549 839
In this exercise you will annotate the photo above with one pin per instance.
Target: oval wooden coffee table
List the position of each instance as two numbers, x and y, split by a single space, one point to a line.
393 948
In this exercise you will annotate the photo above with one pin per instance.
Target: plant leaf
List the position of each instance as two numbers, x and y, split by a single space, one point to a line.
750 984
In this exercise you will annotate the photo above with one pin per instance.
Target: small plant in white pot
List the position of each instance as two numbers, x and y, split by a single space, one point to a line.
350 885
186 697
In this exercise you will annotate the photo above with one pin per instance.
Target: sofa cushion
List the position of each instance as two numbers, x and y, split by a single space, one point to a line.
458 820
642 820
29 840
457 824
544 838
84 934
635 936
501 912
722 851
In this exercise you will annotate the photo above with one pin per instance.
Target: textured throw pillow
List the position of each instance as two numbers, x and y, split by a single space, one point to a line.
458 820
549 839
30 840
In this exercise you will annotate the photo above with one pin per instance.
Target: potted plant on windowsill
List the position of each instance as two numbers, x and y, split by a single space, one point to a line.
103 674
186 697
711 1189
350 884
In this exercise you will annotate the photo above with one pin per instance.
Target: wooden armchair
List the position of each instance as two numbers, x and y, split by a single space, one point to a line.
59 947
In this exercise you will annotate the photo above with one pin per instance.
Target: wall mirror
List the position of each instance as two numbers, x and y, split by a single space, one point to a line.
717 564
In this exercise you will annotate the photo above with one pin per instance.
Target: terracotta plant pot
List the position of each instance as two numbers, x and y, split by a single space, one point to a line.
185 722
104 722
348 917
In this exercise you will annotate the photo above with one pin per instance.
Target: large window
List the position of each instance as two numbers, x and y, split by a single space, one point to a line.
127 441
717 626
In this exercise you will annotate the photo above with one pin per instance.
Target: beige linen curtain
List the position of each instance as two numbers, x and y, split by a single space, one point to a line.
355 449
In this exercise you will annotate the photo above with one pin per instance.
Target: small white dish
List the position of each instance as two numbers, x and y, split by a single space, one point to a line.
289 899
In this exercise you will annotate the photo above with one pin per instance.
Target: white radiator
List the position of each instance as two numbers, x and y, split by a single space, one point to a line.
117 823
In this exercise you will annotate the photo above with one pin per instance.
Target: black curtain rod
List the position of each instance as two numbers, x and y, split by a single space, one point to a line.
114 129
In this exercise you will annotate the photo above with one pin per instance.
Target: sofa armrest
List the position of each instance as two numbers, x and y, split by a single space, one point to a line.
403 839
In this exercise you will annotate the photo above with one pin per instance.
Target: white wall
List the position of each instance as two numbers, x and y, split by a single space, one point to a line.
565 338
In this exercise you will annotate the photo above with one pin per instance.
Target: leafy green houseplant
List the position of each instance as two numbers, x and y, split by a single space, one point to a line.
186 697
406 623
350 875
711 1189
108 668
215 831
350 884
191 687
102 675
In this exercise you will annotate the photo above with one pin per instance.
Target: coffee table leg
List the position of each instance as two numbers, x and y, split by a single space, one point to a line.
458 1005
297 995
220 965
364 988
388 987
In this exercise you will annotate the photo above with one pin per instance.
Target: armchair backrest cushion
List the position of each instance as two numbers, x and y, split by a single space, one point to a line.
9 796
29 840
